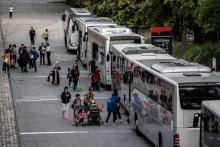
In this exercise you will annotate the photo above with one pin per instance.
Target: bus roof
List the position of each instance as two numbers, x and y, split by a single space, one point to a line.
213 106
79 11
170 68
129 49
96 21
112 31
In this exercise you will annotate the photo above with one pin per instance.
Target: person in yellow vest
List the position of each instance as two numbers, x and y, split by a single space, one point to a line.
45 36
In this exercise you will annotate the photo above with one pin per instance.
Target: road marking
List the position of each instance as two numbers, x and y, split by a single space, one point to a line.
57 99
45 133
36 100
62 76
76 132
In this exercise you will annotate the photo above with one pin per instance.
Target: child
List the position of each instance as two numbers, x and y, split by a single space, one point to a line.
76 106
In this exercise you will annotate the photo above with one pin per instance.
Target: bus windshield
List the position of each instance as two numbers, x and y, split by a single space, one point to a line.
191 97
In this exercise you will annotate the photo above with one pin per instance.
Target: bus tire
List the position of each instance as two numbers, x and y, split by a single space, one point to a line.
65 41
138 132
160 140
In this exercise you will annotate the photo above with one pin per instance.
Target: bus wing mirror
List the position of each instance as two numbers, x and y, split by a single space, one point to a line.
64 17
196 120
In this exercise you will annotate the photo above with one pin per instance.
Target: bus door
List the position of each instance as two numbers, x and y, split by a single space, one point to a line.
94 57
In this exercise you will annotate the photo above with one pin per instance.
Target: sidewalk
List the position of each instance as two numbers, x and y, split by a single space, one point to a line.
8 126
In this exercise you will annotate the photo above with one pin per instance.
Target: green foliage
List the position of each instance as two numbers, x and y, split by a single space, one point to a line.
198 53
209 15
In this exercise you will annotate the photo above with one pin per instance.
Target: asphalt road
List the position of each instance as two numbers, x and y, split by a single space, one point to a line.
37 102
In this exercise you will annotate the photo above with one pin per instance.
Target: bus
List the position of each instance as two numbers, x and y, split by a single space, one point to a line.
69 18
210 126
100 40
163 94
82 30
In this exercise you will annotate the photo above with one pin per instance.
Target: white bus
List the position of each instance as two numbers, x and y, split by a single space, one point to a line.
69 19
100 40
164 95
82 30
210 126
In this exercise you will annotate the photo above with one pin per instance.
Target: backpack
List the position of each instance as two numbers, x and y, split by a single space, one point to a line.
93 78
110 105
117 99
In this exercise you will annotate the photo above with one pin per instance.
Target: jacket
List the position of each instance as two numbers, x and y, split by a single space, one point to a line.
111 104
97 76
65 97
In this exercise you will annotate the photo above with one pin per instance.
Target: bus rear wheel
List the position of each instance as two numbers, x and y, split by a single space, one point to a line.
160 140
138 132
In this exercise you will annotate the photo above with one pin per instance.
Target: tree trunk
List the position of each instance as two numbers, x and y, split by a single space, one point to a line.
184 45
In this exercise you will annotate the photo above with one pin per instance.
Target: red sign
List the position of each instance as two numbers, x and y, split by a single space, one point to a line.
159 30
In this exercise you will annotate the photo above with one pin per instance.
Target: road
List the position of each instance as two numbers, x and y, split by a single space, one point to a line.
37 102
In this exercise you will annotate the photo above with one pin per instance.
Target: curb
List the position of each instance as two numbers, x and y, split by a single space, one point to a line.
7 77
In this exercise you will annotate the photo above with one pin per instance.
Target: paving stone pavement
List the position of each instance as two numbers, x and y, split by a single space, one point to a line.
8 125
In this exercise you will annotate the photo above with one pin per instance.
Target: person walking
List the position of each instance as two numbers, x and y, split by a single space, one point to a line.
34 60
10 10
65 97
42 50
32 34
48 52
111 108
45 36
117 100
14 54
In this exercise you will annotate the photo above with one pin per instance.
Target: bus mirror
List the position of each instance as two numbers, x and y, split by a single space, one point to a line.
64 17
108 58
85 37
73 28
128 77
196 120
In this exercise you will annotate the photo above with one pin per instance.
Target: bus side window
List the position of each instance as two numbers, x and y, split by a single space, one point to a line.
114 58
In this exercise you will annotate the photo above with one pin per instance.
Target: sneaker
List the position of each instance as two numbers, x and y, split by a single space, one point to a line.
114 124
120 121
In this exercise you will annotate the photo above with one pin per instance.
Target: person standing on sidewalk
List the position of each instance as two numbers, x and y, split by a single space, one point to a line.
35 56
32 34
45 36
65 97
55 74
42 50
6 61
97 79
14 53
75 78
24 59
10 10
48 54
